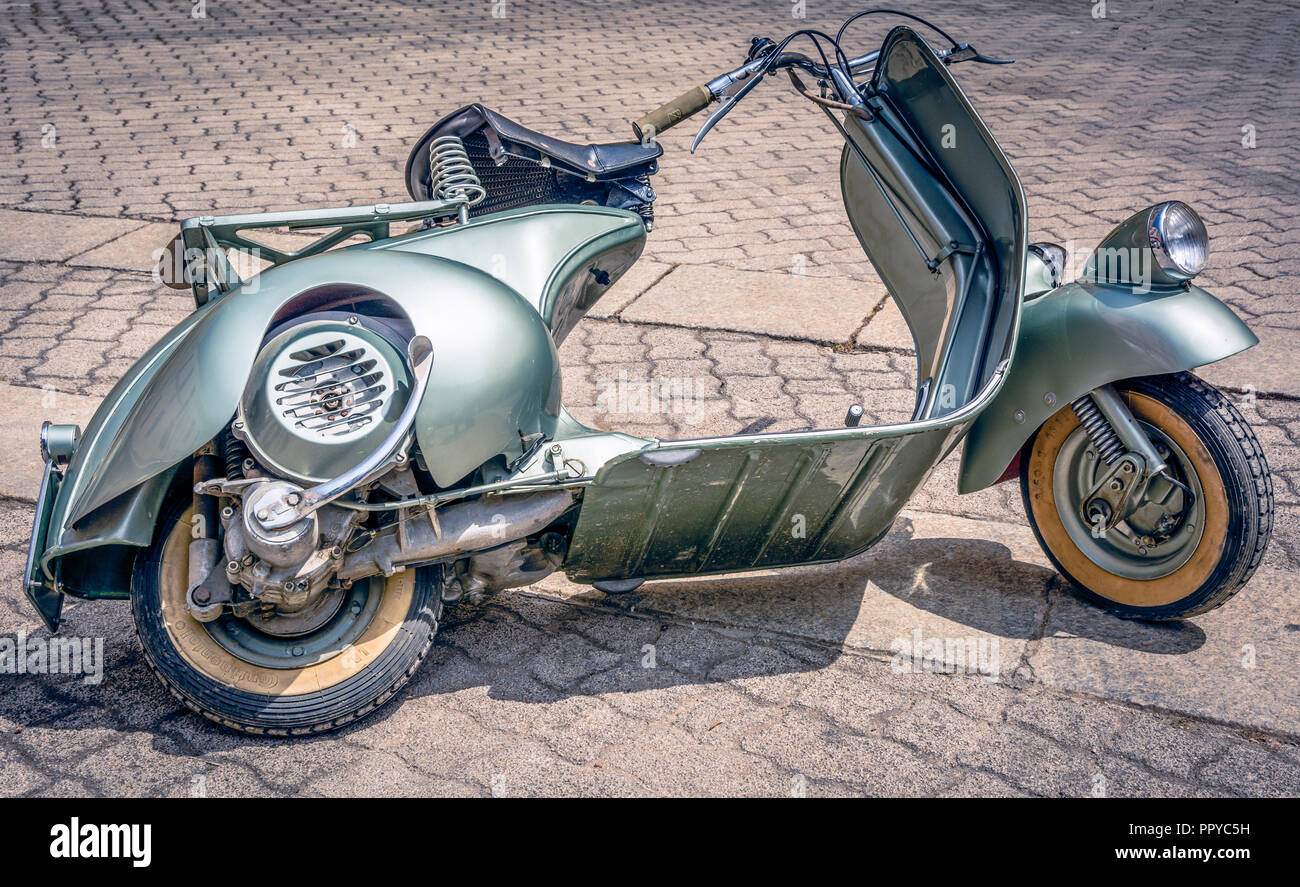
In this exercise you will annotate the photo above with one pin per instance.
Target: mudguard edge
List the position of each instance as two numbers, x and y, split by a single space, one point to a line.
1083 335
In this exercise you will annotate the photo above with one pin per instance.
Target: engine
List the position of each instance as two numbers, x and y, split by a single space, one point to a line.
321 487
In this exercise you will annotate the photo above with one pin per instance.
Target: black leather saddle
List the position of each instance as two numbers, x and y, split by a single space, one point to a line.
506 140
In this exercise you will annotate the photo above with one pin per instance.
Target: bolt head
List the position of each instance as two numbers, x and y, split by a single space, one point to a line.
202 595
1019 416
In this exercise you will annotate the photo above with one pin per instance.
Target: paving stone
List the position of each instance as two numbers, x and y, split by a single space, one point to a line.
22 411
1234 664
887 329
50 237
816 309
1267 368
133 251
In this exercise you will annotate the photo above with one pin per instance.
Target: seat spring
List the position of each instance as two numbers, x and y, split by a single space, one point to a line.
451 175
1103 437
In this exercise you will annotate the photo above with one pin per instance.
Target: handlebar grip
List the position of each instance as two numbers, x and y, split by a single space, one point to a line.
669 115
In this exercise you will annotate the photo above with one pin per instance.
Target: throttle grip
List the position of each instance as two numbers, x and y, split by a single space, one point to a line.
672 113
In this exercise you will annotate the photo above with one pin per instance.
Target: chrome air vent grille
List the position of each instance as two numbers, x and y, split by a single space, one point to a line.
332 390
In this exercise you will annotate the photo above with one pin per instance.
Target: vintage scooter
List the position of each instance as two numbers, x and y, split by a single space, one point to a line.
291 483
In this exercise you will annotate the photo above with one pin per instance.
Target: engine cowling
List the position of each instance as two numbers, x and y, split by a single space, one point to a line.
324 390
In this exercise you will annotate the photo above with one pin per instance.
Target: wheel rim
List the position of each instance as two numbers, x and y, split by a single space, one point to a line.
1131 581
260 663
242 638
1078 470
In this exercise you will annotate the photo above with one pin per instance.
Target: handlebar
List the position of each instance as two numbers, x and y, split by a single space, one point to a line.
669 114
732 86
697 98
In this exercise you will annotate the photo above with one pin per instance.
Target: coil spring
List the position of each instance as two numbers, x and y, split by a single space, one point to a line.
451 175
1103 437
234 451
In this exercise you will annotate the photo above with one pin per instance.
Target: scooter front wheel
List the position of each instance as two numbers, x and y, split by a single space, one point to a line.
1187 547
241 674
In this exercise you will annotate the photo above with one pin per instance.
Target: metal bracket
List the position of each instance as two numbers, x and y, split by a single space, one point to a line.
1110 501
952 247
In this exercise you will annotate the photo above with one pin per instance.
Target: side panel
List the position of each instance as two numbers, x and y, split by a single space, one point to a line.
1083 335
561 259
495 372
747 504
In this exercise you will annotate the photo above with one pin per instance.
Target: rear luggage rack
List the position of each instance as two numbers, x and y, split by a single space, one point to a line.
201 262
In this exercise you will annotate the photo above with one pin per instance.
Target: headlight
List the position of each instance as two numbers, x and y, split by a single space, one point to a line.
1179 239
1161 247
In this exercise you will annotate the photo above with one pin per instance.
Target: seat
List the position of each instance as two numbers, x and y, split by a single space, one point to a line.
505 138
602 160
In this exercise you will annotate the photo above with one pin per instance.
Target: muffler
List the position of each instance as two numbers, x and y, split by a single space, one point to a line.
461 529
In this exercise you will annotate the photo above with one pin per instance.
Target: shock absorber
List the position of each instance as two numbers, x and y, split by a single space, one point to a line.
452 176
234 451
1107 443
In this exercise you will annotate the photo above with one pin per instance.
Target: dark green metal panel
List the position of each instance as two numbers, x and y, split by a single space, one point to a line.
44 597
1083 335
751 504
496 372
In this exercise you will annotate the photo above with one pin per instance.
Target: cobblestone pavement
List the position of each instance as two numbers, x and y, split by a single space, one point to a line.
773 684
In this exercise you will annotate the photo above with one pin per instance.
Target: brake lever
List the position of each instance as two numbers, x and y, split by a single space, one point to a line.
967 53
728 102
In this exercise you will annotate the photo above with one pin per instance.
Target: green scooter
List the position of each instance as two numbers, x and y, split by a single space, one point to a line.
291 484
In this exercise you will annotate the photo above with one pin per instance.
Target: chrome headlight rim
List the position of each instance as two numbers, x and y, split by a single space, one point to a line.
1177 236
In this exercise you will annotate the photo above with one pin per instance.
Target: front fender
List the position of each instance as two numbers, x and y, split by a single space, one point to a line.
496 375
1083 335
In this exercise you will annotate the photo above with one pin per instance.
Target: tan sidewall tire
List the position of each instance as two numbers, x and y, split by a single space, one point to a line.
255 699
206 656
1179 585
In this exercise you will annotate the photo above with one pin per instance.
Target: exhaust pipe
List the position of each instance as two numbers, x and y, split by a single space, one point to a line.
462 529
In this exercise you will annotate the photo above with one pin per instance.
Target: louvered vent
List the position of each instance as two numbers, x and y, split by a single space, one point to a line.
331 390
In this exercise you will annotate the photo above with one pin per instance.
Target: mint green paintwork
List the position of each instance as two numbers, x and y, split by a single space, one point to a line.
496 372
765 500
552 255
1083 335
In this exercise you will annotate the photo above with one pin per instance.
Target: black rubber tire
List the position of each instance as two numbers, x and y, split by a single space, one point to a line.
1240 460
310 713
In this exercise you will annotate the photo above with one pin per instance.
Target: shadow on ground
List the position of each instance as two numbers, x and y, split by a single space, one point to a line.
529 647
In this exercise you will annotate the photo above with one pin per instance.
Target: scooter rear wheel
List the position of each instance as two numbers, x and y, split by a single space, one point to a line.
1218 536
253 682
